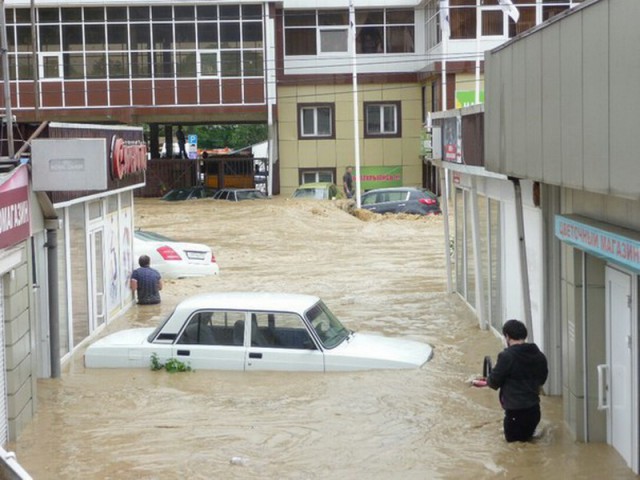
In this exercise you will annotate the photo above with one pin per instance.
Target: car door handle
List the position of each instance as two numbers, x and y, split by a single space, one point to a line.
184 353
255 355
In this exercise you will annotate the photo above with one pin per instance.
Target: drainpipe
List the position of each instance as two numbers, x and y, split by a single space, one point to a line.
52 226
524 269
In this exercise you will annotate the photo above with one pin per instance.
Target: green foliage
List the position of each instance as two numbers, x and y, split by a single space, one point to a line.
232 136
173 365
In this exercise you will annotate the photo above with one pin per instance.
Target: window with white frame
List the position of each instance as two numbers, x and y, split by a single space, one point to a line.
382 119
315 176
98 42
318 32
208 63
316 120
492 21
50 66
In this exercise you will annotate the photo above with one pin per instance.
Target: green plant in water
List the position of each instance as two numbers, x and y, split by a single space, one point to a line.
173 365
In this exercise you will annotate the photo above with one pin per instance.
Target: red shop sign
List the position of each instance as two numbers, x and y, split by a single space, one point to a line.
127 157
15 214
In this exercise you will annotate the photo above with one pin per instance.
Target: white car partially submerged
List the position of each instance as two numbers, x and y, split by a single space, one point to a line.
174 259
255 331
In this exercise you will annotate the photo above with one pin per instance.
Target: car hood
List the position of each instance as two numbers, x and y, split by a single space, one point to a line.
366 351
132 337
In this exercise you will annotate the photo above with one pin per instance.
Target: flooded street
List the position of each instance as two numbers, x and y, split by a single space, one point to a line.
378 275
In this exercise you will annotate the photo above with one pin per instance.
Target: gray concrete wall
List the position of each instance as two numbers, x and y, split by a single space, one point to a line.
560 106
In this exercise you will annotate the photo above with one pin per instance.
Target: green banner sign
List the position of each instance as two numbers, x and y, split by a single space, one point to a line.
380 177
466 98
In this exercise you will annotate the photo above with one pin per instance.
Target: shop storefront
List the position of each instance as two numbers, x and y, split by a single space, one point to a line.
18 217
89 174
605 262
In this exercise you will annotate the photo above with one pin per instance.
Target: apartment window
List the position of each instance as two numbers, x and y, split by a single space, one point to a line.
50 66
179 41
492 22
208 64
527 18
462 18
311 32
310 175
316 120
300 32
382 119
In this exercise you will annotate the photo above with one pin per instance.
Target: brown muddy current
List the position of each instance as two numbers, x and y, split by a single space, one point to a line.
378 274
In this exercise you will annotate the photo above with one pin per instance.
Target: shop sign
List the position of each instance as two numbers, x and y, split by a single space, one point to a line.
15 214
603 240
380 177
127 157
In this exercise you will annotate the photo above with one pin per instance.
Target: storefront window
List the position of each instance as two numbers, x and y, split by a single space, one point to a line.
459 242
495 264
469 251
79 274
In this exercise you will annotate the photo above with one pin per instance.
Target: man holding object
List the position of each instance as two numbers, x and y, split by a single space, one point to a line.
520 372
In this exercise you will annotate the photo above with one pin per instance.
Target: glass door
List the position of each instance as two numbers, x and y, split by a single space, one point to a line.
96 280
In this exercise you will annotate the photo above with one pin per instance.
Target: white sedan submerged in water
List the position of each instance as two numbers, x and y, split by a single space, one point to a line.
255 331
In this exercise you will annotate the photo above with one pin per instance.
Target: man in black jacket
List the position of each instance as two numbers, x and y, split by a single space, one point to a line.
520 372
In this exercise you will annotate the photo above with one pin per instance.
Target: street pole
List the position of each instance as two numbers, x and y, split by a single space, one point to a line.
356 119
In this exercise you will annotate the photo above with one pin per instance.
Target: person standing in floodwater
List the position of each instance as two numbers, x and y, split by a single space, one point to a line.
146 282
347 183
520 372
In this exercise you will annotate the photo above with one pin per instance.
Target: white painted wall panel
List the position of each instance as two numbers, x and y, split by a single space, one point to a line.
571 74
624 74
493 118
517 104
583 97
551 103
595 57
533 111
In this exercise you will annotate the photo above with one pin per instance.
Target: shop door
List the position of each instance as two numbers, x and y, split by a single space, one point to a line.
96 280
620 425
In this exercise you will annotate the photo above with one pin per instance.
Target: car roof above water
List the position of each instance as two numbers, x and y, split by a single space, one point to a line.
257 301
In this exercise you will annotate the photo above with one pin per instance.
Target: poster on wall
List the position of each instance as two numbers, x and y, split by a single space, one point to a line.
113 266
126 256
451 139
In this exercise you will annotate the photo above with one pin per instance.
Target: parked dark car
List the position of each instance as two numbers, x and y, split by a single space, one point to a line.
417 201
237 194
189 193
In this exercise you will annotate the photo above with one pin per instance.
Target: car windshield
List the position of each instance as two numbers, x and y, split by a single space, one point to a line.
151 236
316 193
328 328
157 330
178 194
249 194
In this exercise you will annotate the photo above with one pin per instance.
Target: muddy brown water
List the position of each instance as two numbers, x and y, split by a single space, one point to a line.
378 274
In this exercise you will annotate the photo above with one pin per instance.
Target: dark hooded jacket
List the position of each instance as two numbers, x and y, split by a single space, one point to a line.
519 373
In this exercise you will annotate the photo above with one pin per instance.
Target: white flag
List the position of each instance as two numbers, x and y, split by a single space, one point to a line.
445 26
510 9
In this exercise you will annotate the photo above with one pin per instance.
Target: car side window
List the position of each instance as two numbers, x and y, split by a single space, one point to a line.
280 330
212 328
368 199
392 197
